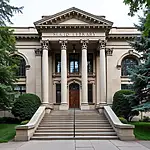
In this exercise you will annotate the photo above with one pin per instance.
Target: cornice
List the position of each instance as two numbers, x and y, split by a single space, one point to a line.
72 26
122 36
27 36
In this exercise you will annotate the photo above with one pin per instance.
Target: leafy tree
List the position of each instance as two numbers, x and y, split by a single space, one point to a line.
7 48
144 5
140 75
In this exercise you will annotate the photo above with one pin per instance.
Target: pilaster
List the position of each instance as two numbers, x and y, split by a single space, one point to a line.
38 72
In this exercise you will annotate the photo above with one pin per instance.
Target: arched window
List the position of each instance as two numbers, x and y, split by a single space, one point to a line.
21 71
128 62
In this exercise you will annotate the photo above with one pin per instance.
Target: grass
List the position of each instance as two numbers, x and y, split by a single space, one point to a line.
142 130
7 132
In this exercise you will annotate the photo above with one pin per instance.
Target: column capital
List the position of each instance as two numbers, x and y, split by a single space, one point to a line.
38 52
109 51
45 44
84 44
102 44
63 44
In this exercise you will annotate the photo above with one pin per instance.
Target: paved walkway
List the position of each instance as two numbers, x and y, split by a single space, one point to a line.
77 145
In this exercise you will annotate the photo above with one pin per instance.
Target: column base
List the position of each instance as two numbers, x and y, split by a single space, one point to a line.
100 107
85 106
63 106
48 107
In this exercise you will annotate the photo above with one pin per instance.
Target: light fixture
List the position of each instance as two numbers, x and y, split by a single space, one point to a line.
74 49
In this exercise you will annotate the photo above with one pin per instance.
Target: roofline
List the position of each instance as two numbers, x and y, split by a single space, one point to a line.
72 9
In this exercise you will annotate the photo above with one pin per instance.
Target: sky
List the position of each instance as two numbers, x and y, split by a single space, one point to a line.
114 10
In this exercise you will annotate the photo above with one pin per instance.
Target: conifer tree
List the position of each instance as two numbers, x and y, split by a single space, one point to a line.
140 75
7 48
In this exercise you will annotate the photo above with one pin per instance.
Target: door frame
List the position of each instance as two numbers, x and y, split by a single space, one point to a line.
79 83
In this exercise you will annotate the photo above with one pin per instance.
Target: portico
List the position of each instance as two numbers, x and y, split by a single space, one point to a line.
66 74
87 34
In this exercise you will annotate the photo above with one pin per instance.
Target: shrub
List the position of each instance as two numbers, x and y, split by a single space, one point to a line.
9 120
121 105
25 106
123 120
146 119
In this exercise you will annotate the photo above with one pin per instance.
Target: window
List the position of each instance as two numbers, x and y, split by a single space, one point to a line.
90 63
58 93
128 62
20 89
74 63
21 71
90 93
57 63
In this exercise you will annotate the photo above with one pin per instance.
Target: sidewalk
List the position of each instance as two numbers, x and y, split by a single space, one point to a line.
77 145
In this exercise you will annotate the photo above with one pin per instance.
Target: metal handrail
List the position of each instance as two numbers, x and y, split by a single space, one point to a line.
74 126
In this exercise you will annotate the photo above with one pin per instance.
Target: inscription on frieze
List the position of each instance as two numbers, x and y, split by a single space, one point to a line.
74 34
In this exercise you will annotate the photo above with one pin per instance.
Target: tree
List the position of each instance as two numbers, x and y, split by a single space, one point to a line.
144 5
140 75
7 48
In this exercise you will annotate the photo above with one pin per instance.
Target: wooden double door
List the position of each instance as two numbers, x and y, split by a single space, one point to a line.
74 95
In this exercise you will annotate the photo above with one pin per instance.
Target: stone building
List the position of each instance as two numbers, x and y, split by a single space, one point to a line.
74 59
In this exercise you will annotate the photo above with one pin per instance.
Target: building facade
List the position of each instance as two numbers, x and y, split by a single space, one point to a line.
74 59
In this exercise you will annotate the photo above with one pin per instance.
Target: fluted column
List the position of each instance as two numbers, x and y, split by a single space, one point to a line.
45 77
84 104
102 72
64 102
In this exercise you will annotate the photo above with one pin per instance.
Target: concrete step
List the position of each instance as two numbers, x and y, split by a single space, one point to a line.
57 128
78 125
76 122
72 138
77 134
67 122
77 130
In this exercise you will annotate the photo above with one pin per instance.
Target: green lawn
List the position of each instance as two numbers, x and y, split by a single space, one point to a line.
7 132
142 130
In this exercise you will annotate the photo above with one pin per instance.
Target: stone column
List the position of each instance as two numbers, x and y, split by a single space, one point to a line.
45 76
84 103
102 73
64 102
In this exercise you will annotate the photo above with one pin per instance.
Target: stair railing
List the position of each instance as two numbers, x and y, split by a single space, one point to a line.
74 126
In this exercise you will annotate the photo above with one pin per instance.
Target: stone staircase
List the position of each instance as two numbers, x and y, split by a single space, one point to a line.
59 125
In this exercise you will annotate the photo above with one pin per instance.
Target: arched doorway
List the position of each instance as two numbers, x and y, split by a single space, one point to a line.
74 95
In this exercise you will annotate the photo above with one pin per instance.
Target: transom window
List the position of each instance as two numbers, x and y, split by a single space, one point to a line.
90 62
74 63
128 63
57 63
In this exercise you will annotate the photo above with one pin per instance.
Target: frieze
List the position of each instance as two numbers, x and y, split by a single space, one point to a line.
75 34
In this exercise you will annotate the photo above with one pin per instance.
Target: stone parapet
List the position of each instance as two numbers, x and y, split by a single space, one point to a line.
124 131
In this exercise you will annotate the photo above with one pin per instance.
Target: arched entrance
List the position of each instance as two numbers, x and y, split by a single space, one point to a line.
74 95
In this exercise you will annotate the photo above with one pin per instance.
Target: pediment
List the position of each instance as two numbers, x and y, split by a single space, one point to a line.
73 16
73 21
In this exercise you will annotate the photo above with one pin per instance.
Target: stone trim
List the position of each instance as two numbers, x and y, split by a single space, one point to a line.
124 131
73 12
109 51
38 52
